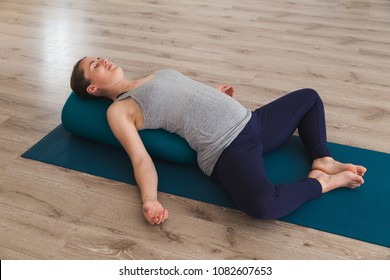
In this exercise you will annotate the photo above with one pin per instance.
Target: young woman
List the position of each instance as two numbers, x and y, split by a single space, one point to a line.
229 139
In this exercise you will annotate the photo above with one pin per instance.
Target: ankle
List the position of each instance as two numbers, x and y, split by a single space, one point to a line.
323 160
321 177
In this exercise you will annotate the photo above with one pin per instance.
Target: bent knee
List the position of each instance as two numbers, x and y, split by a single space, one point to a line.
311 94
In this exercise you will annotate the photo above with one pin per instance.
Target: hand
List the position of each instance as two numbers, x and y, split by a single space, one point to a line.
226 89
154 212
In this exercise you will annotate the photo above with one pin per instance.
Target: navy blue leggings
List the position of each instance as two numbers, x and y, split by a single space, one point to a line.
240 168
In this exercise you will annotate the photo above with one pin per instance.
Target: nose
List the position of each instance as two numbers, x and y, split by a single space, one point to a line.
104 62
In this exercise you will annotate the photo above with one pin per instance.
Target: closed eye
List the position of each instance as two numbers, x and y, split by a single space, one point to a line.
94 63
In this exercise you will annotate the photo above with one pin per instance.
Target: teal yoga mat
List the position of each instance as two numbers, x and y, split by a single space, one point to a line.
362 214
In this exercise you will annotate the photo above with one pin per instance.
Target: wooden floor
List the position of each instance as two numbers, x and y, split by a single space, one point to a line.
265 48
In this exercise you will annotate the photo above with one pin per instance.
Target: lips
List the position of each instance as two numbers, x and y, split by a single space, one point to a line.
109 65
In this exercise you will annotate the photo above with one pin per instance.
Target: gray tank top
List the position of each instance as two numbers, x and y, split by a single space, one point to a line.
208 119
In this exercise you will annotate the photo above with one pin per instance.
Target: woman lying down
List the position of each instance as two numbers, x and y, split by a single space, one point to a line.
229 139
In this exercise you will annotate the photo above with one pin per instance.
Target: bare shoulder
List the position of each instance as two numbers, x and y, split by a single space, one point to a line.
124 120
124 109
124 113
120 108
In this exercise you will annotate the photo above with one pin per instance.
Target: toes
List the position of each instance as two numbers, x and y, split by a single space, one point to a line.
358 181
361 170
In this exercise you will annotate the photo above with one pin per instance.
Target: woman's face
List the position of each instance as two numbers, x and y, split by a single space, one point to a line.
103 74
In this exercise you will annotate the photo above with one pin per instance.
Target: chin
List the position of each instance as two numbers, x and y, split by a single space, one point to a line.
119 70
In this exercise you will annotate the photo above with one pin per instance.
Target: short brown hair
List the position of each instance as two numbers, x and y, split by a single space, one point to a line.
79 83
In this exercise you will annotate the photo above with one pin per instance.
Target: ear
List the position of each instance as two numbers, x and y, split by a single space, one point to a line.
91 89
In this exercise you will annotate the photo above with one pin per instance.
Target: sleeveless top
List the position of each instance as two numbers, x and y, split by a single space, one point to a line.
208 119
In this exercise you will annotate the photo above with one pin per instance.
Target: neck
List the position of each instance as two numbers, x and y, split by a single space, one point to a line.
120 88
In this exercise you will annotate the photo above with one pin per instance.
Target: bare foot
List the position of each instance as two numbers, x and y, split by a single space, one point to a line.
331 166
328 182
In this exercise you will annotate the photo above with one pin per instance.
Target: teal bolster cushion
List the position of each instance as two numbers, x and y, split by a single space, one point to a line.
87 118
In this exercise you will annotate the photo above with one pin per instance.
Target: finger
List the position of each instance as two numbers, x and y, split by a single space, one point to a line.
229 93
151 221
165 214
161 217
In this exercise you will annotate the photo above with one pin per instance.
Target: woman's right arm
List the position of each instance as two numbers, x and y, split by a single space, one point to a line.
122 123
